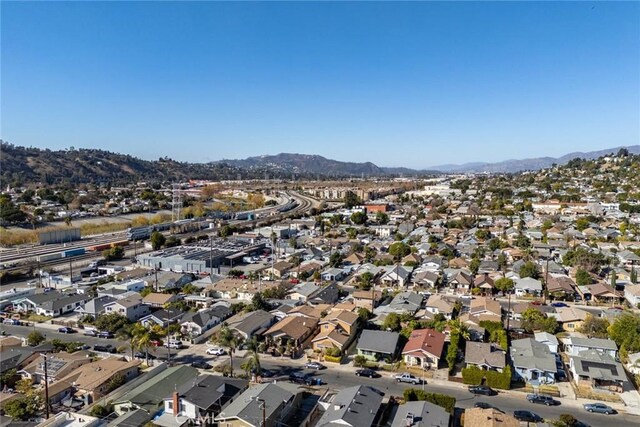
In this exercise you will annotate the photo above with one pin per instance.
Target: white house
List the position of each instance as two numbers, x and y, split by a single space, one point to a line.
632 295
528 286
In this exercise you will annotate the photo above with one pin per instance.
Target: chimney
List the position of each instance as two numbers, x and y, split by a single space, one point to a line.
409 419
176 403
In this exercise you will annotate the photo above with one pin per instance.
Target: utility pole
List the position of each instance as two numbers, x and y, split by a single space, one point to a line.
71 271
155 270
46 386
210 256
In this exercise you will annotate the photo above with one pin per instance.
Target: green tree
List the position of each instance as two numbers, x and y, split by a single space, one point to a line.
582 224
359 218
595 327
336 259
351 200
171 242
365 281
529 269
364 314
474 266
625 331
226 338
115 381
382 218
634 275
35 338
392 322
399 250
111 322
157 240
113 253
568 420
9 212
582 277
504 284
534 320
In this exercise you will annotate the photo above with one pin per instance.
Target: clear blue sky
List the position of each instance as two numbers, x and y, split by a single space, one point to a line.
399 84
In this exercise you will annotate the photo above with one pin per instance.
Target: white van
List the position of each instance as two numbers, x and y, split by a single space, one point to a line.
173 344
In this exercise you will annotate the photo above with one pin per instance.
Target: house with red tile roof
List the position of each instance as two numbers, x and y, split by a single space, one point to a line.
424 348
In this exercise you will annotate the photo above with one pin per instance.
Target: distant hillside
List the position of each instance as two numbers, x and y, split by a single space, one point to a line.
306 163
508 166
33 165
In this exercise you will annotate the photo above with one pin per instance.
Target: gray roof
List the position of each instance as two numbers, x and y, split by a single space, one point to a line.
379 341
529 353
352 406
306 288
247 407
212 389
483 353
425 414
600 366
252 321
96 305
61 302
135 418
407 301
150 394
602 343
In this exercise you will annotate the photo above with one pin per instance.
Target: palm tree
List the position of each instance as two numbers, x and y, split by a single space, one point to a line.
226 338
143 340
252 364
129 333
460 328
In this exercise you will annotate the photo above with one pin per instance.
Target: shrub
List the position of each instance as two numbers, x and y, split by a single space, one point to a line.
333 359
333 352
359 361
500 380
443 400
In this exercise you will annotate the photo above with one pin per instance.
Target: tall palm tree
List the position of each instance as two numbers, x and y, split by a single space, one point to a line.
128 333
460 328
226 338
143 339
252 364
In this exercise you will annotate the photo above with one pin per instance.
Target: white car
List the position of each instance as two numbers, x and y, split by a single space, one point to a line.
216 351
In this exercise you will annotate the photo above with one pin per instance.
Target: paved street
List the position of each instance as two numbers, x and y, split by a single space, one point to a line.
344 376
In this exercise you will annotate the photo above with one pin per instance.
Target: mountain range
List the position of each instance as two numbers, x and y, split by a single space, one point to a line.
28 165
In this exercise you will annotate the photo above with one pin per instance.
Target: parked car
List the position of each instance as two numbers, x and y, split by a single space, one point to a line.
66 330
91 333
367 373
265 373
142 355
215 351
561 375
156 343
482 389
408 378
174 344
201 364
600 408
527 416
542 399
302 378
105 334
559 304
105 348
314 365
485 405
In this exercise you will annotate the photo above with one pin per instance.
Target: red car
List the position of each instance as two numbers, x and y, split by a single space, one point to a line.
156 343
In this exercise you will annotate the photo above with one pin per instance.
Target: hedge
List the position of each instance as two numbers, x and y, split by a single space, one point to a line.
452 351
332 358
497 333
444 400
500 380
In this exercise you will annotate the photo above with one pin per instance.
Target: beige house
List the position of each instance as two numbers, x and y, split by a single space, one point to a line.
337 330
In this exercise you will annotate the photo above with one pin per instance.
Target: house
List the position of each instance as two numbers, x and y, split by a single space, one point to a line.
150 394
576 345
195 324
461 283
488 307
163 317
280 268
332 274
352 407
131 308
367 299
570 318
602 293
561 285
486 356
485 283
632 295
528 287
167 280
405 302
52 304
302 291
426 279
291 332
328 294
253 323
439 304
264 401
421 414
547 339
337 330
533 362
478 417
58 366
92 380
378 345
159 300
204 399
396 276
95 306
424 348
598 370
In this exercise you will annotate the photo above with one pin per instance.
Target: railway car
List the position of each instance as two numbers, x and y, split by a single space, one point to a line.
73 252
49 257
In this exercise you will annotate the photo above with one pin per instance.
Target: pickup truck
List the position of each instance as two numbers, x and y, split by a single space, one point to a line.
408 378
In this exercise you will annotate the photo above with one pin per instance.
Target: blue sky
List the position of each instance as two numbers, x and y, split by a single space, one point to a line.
399 84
